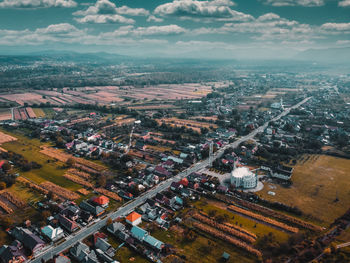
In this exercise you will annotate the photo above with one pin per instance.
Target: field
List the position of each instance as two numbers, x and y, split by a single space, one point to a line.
111 94
317 181
51 170
5 114
195 125
4 137
39 112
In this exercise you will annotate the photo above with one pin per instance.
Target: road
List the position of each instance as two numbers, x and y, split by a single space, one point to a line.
131 205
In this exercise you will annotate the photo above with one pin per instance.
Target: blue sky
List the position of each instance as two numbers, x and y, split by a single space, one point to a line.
178 28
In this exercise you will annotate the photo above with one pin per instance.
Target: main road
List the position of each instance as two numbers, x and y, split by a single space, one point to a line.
131 205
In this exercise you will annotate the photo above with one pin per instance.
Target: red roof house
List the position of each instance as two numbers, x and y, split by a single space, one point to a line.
101 200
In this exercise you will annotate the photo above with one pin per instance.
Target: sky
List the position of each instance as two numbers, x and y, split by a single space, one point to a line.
261 29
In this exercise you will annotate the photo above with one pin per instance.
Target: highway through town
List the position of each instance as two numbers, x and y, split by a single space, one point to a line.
84 232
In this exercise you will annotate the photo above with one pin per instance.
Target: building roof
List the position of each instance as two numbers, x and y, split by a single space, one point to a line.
138 232
133 216
101 200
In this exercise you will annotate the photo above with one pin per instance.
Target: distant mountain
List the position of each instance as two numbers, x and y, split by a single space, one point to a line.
329 55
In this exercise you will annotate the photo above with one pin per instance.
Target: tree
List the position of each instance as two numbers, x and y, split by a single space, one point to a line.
109 221
102 181
70 162
2 185
6 222
45 214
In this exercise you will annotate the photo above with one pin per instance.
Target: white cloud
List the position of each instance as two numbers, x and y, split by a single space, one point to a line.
344 3
37 3
306 3
105 19
146 31
104 11
336 27
153 18
268 27
195 9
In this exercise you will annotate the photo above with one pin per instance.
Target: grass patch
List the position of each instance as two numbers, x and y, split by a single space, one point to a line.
317 181
39 112
51 170
251 225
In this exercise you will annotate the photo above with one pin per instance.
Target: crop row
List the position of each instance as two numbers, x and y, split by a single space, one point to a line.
5 207
277 215
108 193
224 228
263 219
54 188
78 180
227 238
79 173
13 199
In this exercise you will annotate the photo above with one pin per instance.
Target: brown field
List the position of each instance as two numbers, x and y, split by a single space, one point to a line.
63 192
13 199
109 194
31 114
83 191
317 181
206 118
5 114
153 107
76 179
195 125
6 138
21 98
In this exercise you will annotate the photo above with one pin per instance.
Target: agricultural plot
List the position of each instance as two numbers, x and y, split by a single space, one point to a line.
318 180
190 124
39 112
5 114
69 195
6 138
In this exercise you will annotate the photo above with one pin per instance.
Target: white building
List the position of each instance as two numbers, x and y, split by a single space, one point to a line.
242 177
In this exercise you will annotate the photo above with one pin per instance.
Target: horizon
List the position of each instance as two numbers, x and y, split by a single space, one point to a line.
220 29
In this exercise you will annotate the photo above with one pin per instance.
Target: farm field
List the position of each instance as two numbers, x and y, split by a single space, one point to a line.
317 181
259 229
197 250
195 125
50 171
4 137
39 112
5 114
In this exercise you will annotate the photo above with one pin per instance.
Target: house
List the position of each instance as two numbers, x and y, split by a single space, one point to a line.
103 245
94 210
14 253
133 218
161 171
115 228
144 237
102 201
30 241
62 259
51 233
82 253
67 224
86 216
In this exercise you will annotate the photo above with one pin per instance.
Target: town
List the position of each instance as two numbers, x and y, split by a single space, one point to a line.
220 171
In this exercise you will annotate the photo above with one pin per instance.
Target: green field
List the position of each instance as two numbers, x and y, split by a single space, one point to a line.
197 250
317 181
51 170
257 228
39 112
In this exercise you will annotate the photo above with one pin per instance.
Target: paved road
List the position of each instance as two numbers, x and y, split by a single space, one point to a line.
131 205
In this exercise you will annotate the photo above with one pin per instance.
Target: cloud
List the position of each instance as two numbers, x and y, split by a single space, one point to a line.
153 18
195 9
146 31
37 3
105 19
306 3
336 27
104 11
268 27
344 3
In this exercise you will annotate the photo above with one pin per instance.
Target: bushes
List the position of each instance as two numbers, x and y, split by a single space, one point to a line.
231 240
225 228
263 219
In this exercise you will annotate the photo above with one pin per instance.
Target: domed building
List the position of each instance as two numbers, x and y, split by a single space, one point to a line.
242 177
